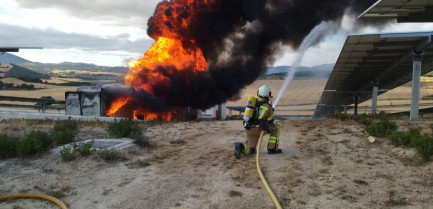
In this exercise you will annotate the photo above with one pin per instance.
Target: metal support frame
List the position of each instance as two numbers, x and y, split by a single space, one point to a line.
374 97
356 99
416 82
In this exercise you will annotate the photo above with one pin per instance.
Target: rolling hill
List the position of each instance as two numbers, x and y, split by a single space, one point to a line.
277 72
25 74
318 71
10 58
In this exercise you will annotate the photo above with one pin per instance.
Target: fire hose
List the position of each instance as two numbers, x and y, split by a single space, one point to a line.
63 206
259 170
34 196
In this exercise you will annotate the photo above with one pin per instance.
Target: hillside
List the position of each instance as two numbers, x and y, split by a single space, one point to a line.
286 68
25 74
317 72
48 67
10 58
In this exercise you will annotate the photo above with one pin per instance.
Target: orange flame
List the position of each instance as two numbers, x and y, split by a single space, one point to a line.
165 52
116 105
169 51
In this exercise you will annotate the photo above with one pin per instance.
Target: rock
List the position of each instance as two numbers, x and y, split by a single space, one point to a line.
371 139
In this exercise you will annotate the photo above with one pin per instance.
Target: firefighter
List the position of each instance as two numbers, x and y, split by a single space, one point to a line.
259 115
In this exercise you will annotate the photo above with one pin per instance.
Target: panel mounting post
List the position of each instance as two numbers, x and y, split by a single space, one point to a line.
416 77
374 97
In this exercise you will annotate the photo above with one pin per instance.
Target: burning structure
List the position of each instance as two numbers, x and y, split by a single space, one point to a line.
207 51
97 101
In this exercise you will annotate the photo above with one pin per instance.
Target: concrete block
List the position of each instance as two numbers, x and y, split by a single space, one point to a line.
90 103
72 103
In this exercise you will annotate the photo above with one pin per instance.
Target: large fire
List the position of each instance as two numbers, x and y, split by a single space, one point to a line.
165 52
169 51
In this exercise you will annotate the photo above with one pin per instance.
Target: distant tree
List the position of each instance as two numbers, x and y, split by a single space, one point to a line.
45 97
1 84
8 85
27 86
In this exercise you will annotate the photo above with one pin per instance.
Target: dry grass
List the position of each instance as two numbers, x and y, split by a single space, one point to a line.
20 82
314 189
57 93
160 155
57 71
299 91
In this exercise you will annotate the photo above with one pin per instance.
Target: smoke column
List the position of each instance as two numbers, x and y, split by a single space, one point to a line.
239 39
319 31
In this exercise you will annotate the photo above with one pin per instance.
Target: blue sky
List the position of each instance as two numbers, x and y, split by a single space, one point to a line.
111 33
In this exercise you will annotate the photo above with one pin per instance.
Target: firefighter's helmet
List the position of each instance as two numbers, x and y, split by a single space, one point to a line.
264 91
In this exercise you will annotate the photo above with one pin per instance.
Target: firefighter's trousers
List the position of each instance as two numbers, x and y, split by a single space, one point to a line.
253 135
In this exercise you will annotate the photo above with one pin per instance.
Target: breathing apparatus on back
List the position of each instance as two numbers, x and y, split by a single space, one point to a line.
253 104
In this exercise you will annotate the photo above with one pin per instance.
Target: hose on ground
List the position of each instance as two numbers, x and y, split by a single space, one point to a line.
34 196
259 170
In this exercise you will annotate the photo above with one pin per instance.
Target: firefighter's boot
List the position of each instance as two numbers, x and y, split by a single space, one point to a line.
274 151
238 150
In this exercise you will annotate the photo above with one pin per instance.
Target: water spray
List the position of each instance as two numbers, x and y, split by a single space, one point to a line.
318 32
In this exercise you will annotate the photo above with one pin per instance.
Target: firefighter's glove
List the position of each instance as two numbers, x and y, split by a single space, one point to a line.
246 125
264 125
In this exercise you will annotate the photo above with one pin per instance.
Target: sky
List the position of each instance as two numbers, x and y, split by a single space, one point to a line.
111 33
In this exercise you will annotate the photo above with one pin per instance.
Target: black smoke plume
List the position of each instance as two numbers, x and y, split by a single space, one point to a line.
239 39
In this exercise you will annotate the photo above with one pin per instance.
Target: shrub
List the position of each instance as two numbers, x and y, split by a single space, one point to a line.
413 138
70 152
234 193
424 146
363 119
431 128
35 143
8 146
110 155
383 115
341 116
64 131
84 149
382 128
140 139
141 163
67 154
400 138
123 128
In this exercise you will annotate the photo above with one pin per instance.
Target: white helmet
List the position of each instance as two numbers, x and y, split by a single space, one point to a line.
264 91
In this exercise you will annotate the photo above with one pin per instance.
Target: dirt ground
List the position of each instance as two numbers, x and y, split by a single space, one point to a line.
324 164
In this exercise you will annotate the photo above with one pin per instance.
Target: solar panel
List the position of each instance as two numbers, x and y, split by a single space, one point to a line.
402 10
364 59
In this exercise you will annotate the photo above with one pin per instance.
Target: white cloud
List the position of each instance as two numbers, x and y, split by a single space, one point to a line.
9 4
130 12
327 51
107 28
323 53
103 32
54 18
50 38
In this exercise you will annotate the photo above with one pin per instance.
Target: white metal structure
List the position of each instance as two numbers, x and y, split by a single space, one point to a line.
402 10
389 59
